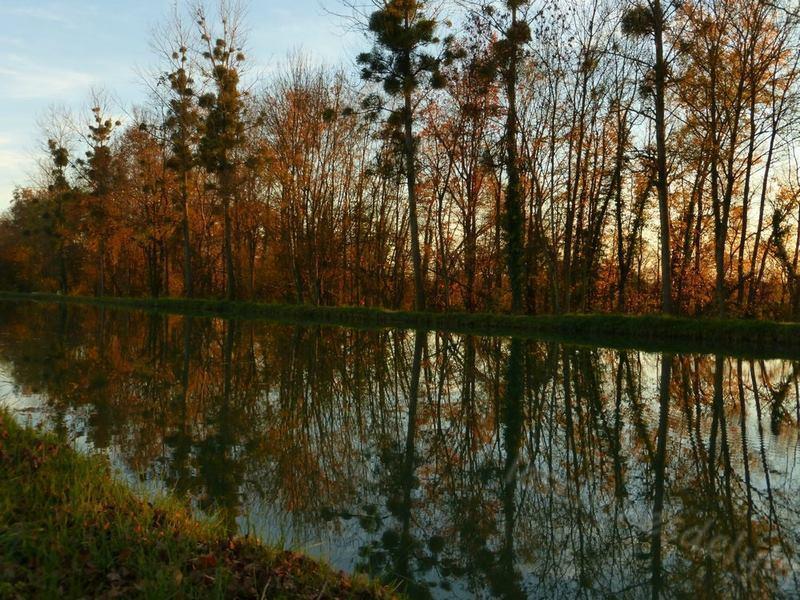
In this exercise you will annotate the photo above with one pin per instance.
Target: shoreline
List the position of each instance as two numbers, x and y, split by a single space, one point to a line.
71 529
657 333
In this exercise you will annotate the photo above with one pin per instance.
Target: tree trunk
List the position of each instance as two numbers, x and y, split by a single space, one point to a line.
101 267
661 161
513 205
230 284
410 152
188 290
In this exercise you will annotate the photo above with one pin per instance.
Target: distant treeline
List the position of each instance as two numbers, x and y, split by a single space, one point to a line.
527 156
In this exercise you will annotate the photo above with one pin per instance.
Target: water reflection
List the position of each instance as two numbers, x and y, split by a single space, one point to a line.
454 465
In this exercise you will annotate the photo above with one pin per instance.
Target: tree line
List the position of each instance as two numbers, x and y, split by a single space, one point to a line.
532 156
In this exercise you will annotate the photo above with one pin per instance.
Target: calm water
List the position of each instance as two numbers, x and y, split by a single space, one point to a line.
459 466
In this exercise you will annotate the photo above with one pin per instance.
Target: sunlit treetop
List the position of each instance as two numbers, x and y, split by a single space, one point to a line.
399 59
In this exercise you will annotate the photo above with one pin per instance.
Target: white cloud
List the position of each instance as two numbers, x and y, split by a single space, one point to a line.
26 80
12 157
12 161
6 196
14 164
49 13
11 41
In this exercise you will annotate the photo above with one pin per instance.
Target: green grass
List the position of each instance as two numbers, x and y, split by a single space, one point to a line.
753 338
68 529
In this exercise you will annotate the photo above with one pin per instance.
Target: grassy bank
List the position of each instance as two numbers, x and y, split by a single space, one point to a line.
68 530
754 338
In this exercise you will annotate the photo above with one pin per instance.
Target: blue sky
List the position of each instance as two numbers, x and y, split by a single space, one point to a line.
52 52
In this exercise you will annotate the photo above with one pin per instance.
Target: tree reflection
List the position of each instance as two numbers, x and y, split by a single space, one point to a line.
659 469
450 464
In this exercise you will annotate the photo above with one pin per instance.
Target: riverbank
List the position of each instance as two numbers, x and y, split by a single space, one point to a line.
738 337
69 530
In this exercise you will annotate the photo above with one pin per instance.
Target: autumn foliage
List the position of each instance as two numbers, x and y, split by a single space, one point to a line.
589 150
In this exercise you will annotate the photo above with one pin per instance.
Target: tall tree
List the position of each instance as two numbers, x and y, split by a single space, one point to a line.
403 32
649 20
509 53
61 191
182 125
223 133
98 172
